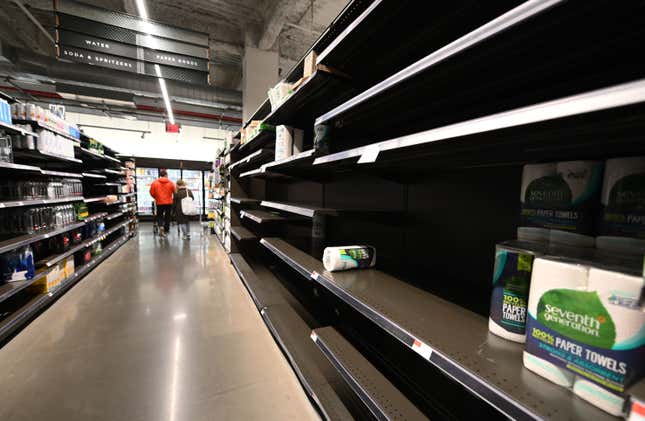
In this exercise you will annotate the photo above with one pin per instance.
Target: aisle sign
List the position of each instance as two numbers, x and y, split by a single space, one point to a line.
92 35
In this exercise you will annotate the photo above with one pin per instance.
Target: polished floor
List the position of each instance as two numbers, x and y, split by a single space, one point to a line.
161 331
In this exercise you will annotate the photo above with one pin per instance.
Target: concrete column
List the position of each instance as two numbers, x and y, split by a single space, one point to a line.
259 73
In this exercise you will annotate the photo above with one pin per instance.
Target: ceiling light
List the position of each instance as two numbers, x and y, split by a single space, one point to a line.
141 7
164 93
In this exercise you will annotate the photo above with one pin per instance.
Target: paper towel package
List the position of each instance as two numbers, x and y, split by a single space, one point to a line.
533 197
562 196
586 320
623 203
349 257
287 142
511 282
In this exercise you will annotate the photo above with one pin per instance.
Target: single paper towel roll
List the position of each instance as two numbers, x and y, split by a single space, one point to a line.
597 396
549 371
511 282
349 257
551 275
623 199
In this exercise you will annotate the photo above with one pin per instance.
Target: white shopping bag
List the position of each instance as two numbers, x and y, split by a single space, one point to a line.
188 206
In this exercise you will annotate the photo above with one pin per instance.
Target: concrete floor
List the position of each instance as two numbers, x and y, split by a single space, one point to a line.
163 330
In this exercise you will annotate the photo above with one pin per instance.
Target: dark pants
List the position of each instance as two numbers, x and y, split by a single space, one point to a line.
163 217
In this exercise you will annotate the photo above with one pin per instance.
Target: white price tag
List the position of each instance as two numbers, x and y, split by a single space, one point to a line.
313 336
314 275
422 349
370 155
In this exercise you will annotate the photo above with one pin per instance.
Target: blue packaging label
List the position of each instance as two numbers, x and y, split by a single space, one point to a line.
511 282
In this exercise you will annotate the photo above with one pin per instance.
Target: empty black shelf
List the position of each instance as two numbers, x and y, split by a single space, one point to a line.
258 157
244 200
260 113
18 167
294 257
35 202
262 172
242 234
33 154
319 93
263 287
312 368
546 116
529 44
304 210
301 160
261 217
384 400
263 138
450 337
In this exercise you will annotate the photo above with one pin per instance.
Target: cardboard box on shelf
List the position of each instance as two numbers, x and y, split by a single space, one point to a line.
69 267
310 64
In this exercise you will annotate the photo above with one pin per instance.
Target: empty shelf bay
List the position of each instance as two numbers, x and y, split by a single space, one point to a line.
384 400
546 114
261 217
263 287
242 234
450 337
310 365
320 92
304 210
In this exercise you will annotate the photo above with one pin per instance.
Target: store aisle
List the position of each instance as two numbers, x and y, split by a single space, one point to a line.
161 331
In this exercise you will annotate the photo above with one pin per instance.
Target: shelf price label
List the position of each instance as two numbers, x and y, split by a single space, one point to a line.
422 349
313 336
370 155
314 275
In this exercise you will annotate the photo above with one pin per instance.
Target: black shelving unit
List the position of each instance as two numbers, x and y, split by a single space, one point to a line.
423 159
100 176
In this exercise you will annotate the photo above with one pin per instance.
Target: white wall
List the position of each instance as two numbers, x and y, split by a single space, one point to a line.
187 145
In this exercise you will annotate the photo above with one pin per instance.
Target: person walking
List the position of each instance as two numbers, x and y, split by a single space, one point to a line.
182 219
162 190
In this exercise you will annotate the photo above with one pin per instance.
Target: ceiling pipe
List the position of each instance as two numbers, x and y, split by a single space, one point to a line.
32 18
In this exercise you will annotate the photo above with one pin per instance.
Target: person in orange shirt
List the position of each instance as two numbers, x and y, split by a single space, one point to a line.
162 190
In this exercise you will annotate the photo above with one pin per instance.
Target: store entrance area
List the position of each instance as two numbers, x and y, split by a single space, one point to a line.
162 330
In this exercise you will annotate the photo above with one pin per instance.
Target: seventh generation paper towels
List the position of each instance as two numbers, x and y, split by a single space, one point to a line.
349 257
588 322
549 275
562 196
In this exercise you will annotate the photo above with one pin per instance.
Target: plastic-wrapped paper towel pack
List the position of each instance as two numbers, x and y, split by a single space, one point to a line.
349 257
560 196
586 329
623 203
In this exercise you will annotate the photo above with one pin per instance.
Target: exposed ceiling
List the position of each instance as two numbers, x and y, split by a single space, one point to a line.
286 26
